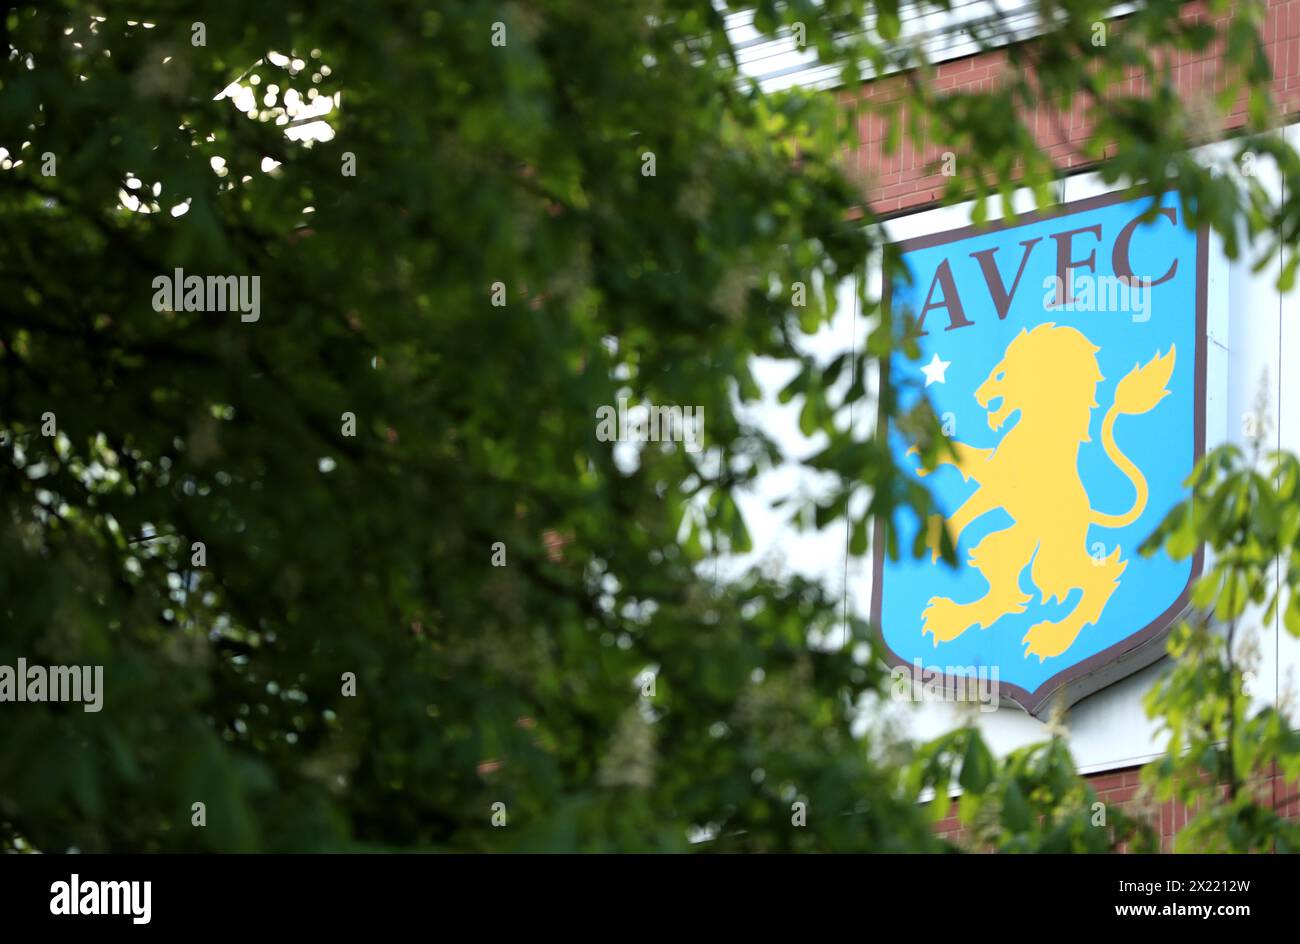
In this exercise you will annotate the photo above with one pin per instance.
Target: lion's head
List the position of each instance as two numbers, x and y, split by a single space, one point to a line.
1049 368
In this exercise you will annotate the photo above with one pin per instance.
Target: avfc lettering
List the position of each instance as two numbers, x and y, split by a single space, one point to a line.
945 294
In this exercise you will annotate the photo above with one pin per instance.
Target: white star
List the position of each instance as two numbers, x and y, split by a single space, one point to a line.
934 370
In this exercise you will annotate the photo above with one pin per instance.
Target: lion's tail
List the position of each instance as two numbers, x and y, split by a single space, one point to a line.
1140 390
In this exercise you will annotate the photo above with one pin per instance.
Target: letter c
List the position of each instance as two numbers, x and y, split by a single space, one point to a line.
1120 258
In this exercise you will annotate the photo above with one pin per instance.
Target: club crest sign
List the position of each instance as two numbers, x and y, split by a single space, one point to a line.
1065 355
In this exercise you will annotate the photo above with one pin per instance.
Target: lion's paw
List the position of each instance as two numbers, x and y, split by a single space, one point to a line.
945 619
921 470
1048 639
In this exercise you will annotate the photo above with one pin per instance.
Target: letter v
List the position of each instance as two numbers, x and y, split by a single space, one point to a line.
997 290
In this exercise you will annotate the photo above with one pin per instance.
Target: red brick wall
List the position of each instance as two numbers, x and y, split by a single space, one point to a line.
1122 788
908 179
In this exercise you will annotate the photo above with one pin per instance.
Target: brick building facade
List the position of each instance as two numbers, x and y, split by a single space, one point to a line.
1122 788
908 180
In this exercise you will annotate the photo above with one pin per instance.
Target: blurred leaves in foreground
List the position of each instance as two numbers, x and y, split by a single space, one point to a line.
388 172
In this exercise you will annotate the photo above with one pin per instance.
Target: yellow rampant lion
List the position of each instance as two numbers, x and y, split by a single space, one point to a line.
1050 376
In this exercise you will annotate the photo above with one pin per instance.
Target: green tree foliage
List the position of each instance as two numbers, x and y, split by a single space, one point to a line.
1033 800
1245 510
519 214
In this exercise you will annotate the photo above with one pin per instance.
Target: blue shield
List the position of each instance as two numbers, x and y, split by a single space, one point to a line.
1064 354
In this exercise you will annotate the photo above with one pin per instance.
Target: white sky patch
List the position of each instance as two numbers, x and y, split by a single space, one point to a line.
779 544
291 108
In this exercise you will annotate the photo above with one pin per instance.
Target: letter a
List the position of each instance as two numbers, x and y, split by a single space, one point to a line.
950 300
